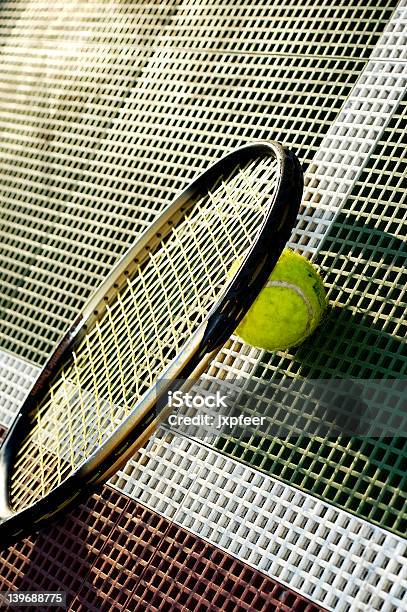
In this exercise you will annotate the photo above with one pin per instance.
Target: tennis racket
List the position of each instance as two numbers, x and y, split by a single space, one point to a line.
164 311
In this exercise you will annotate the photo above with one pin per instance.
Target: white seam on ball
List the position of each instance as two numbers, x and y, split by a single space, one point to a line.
299 292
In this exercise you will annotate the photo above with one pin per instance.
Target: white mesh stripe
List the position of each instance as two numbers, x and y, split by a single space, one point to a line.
16 379
337 560
349 142
351 139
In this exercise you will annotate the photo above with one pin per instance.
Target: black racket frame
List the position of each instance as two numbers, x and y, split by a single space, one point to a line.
203 345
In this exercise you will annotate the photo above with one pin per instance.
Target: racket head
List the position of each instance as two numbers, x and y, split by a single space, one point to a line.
278 214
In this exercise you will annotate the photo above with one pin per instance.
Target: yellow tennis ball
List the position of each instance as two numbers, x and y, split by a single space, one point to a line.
288 308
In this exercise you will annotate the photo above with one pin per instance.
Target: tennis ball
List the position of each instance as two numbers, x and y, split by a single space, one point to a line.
288 308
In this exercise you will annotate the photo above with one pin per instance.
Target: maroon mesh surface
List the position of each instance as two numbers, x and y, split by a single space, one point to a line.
58 558
187 573
112 553
119 566
152 564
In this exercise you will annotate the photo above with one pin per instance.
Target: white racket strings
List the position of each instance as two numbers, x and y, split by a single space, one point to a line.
141 331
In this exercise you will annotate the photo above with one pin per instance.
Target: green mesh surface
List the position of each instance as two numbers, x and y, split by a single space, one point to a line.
363 262
116 107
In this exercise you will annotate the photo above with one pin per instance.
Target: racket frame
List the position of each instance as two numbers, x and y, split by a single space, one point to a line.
223 318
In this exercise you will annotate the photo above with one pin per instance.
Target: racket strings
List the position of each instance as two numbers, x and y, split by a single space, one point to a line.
142 330
82 403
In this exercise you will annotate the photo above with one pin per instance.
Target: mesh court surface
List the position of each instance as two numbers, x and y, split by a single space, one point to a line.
109 109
